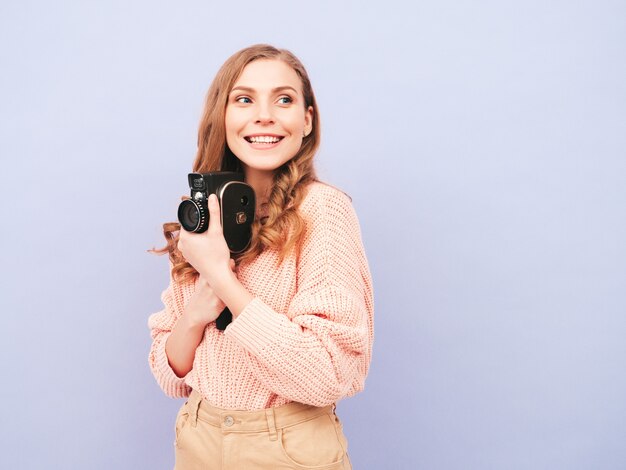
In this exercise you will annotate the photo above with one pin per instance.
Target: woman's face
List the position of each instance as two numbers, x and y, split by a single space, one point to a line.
266 116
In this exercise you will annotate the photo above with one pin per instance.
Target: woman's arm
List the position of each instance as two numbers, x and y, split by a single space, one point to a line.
177 331
180 347
319 350
161 325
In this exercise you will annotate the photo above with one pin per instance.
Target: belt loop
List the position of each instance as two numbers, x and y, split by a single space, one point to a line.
271 423
194 404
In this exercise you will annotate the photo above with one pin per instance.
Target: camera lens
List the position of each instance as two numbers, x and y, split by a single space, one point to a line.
190 215
193 216
244 200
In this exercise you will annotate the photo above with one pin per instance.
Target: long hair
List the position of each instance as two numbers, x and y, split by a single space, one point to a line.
283 227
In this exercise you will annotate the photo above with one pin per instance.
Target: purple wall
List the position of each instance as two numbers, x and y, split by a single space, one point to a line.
483 145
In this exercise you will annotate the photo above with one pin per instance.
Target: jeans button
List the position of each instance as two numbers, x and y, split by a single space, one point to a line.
229 421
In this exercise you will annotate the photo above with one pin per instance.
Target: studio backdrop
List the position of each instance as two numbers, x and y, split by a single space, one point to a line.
483 145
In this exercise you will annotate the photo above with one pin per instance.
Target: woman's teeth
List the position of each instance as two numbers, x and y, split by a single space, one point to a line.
263 139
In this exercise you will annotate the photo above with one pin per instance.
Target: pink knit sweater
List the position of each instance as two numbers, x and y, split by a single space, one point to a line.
307 335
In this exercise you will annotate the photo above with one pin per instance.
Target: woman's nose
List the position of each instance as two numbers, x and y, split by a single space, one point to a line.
264 114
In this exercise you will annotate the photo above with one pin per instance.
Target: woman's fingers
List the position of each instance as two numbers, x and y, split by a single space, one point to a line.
215 222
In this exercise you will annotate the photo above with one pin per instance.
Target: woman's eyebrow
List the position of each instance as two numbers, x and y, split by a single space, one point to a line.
283 88
274 90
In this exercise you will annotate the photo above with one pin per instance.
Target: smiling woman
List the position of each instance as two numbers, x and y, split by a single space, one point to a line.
265 124
262 392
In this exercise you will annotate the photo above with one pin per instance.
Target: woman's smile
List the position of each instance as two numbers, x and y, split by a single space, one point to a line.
263 141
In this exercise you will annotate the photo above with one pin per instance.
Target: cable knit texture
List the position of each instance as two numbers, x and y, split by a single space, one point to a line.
307 334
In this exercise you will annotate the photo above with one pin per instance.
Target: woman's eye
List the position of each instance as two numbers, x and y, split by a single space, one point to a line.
284 100
244 99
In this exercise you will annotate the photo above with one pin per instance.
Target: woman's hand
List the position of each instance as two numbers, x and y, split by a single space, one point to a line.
207 252
204 306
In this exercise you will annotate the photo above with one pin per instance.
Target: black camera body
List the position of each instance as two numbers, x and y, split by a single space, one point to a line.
237 205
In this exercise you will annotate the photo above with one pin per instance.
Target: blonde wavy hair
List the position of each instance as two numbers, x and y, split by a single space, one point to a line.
283 227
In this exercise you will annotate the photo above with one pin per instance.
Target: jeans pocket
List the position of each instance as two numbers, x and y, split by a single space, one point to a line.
182 419
313 444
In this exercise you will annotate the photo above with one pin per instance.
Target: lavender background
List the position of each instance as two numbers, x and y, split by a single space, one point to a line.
484 146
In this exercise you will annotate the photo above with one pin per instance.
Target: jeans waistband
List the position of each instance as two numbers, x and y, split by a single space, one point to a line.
267 420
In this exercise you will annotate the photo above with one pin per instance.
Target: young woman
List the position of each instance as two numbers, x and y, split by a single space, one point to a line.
262 392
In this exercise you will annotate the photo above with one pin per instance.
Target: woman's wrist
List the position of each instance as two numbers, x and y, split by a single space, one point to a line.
193 320
214 276
232 292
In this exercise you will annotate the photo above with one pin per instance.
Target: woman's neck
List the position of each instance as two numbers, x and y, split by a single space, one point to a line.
261 182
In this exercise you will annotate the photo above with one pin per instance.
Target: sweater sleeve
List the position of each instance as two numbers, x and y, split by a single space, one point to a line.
161 324
319 351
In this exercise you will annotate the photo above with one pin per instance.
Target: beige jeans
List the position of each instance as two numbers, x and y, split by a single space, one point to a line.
293 436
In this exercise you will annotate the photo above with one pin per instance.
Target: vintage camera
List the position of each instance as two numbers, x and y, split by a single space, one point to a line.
237 205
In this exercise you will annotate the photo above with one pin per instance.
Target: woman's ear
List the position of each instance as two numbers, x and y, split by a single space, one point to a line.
308 121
